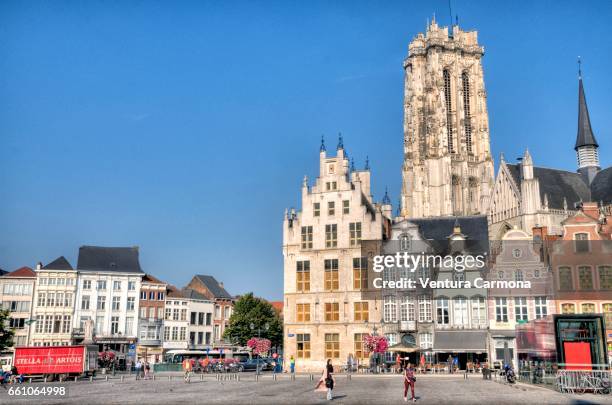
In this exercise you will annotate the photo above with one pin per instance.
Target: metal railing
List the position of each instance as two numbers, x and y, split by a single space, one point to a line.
581 381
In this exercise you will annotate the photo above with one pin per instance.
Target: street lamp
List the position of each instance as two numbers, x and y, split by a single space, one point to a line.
266 327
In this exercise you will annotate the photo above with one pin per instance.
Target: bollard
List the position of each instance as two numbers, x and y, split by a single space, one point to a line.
311 377
238 377
121 378
30 380
75 379
45 379
169 378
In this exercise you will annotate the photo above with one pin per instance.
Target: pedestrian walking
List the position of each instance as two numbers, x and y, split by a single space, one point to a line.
187 366
450 364
292 364
409 380
329 380
147 370
137 368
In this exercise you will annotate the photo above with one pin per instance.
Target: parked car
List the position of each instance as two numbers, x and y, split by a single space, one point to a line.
254 364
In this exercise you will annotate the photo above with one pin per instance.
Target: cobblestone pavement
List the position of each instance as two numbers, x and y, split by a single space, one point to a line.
358 390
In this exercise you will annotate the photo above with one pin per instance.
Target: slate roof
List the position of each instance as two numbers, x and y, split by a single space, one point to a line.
213 286
585 135
59 264
189 293
21 272
147 278
556 184
438 230
119 259
601 187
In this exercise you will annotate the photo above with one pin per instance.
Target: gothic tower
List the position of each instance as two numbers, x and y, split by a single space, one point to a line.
586 145
448 169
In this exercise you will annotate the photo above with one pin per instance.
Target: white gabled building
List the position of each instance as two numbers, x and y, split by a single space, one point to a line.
108 294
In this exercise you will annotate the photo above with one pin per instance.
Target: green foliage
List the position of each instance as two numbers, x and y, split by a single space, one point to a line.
252 310
6 334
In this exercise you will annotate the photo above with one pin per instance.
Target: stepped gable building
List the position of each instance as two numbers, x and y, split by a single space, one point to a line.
448 169
214 291
527 196
328 248
16 290
53 307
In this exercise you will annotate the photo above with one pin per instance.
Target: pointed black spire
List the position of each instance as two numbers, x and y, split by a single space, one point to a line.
352 164
367 164
386 200
322 149
340 141
398 210
585 135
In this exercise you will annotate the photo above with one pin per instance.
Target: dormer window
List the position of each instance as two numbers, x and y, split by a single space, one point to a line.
404 242
581 242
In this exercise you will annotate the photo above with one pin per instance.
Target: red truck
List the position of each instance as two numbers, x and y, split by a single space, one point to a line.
59 362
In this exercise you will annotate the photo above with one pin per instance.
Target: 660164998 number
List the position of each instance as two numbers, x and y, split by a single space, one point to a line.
38 391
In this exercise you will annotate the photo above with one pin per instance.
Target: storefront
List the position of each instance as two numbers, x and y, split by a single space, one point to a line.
503 348
469 347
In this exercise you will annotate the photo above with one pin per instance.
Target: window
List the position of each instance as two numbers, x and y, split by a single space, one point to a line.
131 302
129 326
331 185
39 324
424 309
581 242
541 307
131 285
407 309
166 333
68 300
307 237
331 235
175 333
361 311
425 340
607 310
518 275
143 312
16 323
460 311
332 345
183 334
605 277
200 338
442 311
66 324
160 296
101 284
478 311
458 276
143 295
43 281
331 208
168 313
536 273
52 280
588 308
302 313
114 325
316 209
389 308
42 297
116 285
500 275
565 279
520 309
51 299
585 278
201 318
101 302
303 345
568 308
360 273
208 318
85 302
151 295
183 314
116 303
404 242
449 114
86 284
303 276
355 233
57 324
346 206
360 352
99 326
501 309
332 311
467 124
331 274
59 299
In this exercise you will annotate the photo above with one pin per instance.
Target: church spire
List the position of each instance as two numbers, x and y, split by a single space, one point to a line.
585 135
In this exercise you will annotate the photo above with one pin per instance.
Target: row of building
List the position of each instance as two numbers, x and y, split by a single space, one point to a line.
110 299
549 227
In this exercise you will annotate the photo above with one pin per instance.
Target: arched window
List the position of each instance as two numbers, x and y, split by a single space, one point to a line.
407 309
405 242
467 124
456 195
390 309
449 115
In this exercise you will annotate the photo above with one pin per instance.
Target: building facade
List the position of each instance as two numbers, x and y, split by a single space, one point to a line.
53 311
200 329
151 318
214 291
328 248
176 321
519 259
16 292
448 168
108 294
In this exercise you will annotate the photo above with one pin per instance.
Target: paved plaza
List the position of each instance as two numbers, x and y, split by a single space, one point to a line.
358 390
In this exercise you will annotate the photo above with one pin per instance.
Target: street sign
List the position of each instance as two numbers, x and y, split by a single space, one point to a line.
132 346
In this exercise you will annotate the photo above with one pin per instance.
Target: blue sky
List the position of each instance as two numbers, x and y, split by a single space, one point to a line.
185 128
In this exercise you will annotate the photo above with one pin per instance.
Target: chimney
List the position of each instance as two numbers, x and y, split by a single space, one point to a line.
221 284
591 209
38 266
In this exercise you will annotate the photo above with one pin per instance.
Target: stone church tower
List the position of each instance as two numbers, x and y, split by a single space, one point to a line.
448 169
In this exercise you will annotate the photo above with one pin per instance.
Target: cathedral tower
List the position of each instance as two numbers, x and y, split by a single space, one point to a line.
586 145
448 169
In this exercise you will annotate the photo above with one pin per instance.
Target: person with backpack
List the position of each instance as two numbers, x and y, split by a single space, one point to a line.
329 379
409 380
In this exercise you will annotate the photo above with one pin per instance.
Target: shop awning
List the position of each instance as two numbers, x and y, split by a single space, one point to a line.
402 348
463 341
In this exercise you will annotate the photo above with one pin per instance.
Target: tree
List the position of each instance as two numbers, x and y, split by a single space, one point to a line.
6 334
259 312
